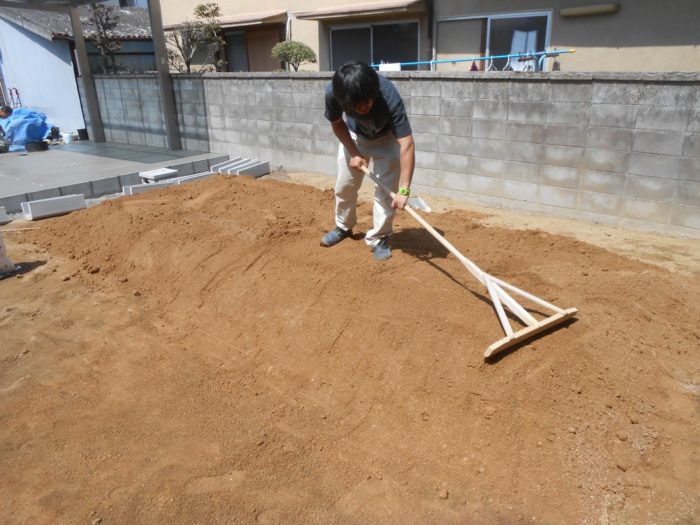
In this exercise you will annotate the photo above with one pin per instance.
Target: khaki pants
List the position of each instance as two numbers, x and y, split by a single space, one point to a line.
6 265
386 153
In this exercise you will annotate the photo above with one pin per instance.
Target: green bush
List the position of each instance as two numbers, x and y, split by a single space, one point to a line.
294 53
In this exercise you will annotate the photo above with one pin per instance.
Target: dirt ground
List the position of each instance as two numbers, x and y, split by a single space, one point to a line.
192 355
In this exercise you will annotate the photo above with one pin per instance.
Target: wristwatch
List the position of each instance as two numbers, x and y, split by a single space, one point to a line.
405 191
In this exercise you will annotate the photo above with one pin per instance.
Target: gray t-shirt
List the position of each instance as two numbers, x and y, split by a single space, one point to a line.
388 113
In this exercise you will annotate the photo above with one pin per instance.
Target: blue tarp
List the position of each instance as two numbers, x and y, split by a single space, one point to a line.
24 125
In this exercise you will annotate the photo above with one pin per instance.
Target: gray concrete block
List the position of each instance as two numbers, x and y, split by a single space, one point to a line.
233 168
489 129
649 188
447 88
616 93
558 197
667 95
562 135
425 88
520 151
13 204
647 211
600 203
480 185
159 174
82 188
662 142
217 160
603 182
525 90
663 118
663 166
613 115
491 149
43 208
525 132
457 145
566 156
129 179
426 141
528 111
520 191
691 145
142 188
687 193
459 127
571 92
609 138
560 177
454 163
425 106
256 170
215 168
491 109
428 177
489 90
573 113
689 169
4 219
522 171
427 159
605 160
456 107
186 168
685 216
485 167
193 178
43 194
200 166
694 121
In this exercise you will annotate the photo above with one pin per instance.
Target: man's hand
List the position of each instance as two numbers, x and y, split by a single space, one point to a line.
358 162
399 202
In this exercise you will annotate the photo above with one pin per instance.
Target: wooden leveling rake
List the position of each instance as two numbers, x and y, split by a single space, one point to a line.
500 291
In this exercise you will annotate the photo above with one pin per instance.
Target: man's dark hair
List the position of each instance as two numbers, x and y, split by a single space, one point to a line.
6 109
353 83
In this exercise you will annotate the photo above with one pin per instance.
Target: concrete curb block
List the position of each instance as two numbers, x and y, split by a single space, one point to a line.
4 219
159 174
41 209
192 178
216 168
255 170
135 189
233 168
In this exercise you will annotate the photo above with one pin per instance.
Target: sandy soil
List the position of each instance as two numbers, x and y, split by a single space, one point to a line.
192 355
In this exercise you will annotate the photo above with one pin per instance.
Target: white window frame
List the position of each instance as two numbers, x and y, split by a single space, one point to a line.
519 14
371 34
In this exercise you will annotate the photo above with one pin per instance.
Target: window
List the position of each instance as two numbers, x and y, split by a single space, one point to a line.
510 34
375 43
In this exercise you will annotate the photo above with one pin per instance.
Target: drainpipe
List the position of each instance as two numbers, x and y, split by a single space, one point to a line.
97 130
165 81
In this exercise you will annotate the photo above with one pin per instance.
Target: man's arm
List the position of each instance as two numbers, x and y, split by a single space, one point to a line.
407 158
340 128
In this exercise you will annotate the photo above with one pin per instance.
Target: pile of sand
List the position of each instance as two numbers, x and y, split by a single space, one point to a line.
193 355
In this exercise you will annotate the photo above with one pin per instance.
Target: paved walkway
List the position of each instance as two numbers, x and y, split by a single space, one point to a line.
90 168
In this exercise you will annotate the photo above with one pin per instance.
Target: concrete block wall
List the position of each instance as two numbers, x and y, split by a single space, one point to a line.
617 148
274 117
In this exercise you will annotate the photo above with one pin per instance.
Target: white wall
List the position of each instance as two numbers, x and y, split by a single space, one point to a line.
42 72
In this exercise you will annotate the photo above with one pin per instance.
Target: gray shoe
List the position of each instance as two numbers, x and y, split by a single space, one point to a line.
334 236
381 250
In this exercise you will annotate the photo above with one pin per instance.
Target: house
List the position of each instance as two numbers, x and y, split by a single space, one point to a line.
387 30
628 35
38 65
